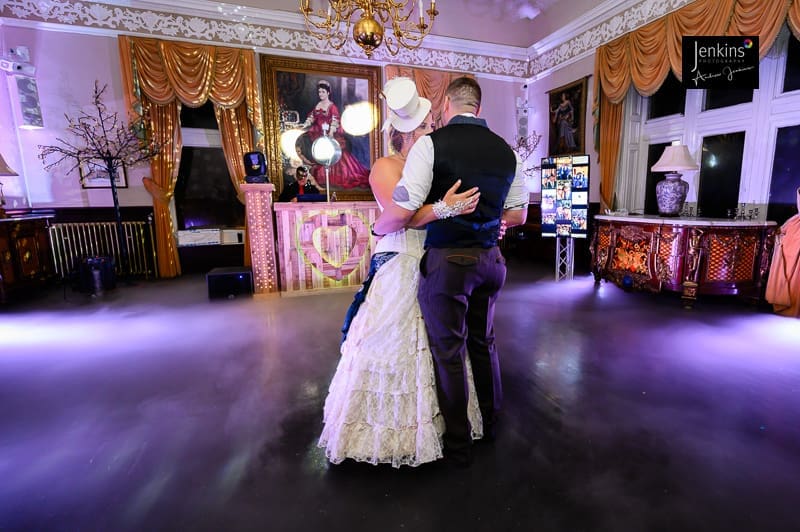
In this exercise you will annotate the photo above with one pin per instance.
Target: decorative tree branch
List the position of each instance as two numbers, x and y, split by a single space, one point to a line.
525 148
100 141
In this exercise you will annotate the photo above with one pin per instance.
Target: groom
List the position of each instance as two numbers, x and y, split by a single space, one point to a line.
462 270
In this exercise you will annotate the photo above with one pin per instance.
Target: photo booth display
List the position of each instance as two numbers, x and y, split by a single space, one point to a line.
565 196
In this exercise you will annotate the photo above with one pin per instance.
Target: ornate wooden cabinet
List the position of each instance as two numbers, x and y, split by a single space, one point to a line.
24 253
687 255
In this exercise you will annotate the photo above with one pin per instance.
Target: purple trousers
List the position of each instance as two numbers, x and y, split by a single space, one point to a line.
458 289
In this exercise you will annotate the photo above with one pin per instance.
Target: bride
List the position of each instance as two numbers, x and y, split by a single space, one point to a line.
381 405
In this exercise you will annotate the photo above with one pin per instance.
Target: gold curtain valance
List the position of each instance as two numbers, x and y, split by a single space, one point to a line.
645 56
193 73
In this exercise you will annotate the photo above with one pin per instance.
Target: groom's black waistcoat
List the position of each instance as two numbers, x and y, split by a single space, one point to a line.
468 150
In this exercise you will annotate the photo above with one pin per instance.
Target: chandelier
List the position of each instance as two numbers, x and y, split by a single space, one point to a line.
408 25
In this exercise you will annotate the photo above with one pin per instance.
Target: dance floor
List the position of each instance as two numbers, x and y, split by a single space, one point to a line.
152 408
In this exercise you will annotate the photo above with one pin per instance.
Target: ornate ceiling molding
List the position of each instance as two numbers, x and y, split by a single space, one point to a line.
278 32
585 34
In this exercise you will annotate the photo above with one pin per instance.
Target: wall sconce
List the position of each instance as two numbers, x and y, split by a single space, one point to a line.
671 191
22 85
28 107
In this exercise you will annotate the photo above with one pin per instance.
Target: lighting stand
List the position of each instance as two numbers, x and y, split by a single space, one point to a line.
328 183
565 258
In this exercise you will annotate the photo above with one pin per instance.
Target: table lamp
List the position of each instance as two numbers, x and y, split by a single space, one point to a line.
5 170
671 191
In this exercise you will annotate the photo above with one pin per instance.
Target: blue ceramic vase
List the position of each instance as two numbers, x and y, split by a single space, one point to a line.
670 194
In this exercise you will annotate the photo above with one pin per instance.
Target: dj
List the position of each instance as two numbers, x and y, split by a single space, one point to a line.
303 184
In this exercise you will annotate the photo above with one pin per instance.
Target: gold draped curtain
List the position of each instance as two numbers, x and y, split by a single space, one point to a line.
431 84
644 58
160 76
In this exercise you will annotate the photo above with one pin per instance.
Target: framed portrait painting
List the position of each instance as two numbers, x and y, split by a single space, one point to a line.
306 100
97 177
568 119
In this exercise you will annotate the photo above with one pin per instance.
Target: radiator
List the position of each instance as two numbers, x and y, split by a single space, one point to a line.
73 242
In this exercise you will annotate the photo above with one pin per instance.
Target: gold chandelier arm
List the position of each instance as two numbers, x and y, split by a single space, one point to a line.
410 22
328 25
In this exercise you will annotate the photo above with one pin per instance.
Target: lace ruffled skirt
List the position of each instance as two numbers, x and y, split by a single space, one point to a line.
381 405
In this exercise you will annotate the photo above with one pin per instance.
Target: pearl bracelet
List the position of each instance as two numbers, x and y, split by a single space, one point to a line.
443 210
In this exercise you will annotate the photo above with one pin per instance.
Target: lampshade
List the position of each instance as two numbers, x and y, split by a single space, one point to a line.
4 168
675 157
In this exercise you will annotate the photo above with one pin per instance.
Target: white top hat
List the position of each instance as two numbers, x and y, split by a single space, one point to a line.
407 109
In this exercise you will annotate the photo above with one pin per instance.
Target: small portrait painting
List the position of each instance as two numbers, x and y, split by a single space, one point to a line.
567 119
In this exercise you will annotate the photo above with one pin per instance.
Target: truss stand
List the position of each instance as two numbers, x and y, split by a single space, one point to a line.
565 257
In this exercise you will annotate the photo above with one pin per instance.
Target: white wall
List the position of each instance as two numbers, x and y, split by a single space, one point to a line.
539 115
13 187
67 65
498 106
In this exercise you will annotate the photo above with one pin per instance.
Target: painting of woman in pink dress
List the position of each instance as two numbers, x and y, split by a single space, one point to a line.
325 118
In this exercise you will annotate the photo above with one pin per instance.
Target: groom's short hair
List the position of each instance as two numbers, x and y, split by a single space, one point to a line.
465 92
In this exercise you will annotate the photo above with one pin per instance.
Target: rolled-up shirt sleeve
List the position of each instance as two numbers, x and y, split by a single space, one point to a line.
415 185
518 195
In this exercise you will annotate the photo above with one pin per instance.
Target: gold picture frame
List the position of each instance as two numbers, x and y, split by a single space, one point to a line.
98 178
292 103
568 119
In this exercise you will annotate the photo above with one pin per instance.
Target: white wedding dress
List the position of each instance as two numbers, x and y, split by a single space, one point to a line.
381 405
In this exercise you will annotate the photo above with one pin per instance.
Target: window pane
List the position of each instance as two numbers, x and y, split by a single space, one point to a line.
718 98
720 174
785 178
670 99
204 194
654 152
792 80
200 118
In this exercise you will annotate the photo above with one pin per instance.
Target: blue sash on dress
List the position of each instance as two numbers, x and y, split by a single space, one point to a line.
378 260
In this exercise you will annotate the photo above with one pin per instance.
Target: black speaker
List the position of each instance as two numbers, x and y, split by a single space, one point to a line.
96 274
229 282
255 164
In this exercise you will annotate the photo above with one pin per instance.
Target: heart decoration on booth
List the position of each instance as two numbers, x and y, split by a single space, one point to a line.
336 249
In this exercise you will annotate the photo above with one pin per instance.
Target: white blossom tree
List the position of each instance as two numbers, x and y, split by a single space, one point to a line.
98 143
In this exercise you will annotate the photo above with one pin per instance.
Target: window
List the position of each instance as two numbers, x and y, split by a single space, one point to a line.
791 80
783 185
669 99
720 175
735 136
719 98
199 117
204 194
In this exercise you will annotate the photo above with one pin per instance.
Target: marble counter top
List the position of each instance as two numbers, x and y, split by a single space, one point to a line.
684 221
